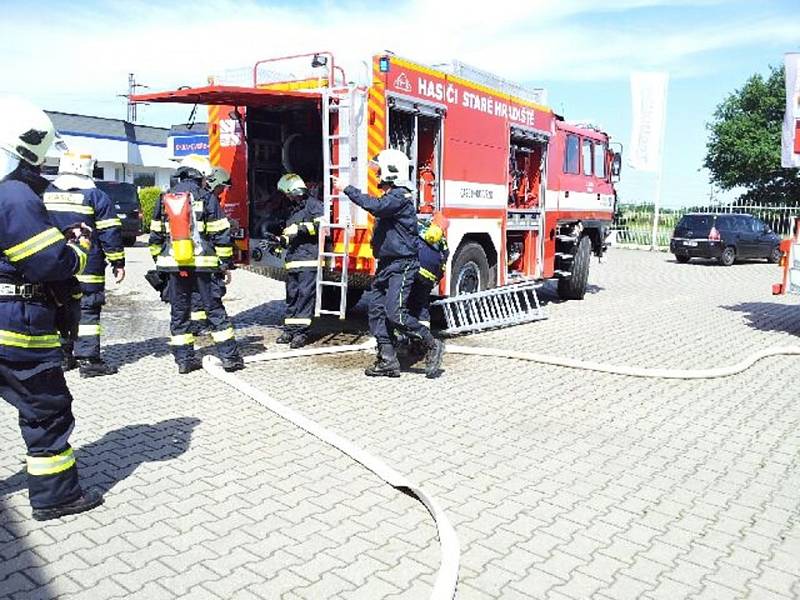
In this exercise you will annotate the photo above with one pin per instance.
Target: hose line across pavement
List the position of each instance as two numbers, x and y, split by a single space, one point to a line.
447 578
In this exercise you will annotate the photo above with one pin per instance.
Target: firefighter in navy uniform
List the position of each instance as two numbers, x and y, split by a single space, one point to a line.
216 183
74 198
190 240
433 253
395 245
300 238
35 254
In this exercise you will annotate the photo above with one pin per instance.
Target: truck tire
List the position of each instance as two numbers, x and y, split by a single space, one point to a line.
470 270
574 287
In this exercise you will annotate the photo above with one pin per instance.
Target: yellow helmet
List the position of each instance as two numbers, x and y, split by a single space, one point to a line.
433 234
219 176
292 185
199 163
26 132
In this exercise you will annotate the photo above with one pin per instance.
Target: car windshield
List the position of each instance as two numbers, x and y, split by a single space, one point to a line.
122 194
696 222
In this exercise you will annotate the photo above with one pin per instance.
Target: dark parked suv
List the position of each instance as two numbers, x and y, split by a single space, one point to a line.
127 207
724 237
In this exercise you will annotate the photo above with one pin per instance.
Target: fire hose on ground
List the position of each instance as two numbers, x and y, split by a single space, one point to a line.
447 578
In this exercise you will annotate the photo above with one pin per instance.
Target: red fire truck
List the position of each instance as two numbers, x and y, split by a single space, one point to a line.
527 195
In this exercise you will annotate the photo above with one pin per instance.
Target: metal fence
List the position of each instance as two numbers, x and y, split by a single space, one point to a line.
633 224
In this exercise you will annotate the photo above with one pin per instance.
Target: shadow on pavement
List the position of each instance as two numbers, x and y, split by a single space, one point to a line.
770 316
116 455
17 558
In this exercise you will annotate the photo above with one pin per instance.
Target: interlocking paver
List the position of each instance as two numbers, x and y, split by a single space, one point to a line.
560 484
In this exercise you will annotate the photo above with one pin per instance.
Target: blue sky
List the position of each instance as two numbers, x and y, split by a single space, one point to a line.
582 51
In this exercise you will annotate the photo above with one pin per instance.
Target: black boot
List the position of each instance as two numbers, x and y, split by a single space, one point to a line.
187 366
87 501
95 367
298 341
433 358
284 338
232 364
386 364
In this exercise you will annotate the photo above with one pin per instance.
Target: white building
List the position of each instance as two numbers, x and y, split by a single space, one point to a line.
124 151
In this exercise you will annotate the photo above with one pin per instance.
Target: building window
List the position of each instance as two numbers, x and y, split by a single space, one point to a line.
144 179
572 155
587 157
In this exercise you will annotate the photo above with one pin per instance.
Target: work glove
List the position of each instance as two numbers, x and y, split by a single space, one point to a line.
80 234
290 232
119 274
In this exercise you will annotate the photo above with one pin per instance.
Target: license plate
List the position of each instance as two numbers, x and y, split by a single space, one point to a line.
689 243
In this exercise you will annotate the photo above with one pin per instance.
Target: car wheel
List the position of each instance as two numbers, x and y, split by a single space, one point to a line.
728 256
683 259
775 255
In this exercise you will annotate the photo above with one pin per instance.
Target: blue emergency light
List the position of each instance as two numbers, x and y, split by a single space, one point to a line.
383 64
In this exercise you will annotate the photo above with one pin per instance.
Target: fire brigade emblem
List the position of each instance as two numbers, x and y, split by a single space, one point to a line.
402 83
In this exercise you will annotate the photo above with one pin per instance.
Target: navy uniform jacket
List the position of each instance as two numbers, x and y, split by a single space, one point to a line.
213 245
432 259
93 207
33 251
395 234
302 251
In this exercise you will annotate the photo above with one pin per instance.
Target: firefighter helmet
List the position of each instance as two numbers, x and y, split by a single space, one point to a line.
433 234
26 131
393 166
292 185
219 176
76 163
197 163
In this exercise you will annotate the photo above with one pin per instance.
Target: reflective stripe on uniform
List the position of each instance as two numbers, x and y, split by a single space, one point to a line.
73 208
82 256
218 225
224 251
89 330
299 264
310 228
426 323
50 465
198 315
185 339
222 336
115 255
196 261
23 340
63 198
91 278
155 249
427 274
108 223
34 244
156 226
296 321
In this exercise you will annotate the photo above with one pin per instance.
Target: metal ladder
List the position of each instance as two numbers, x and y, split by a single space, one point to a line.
336 101
497 307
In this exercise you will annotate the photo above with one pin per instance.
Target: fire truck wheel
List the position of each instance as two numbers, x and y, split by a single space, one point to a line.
574 287
470 271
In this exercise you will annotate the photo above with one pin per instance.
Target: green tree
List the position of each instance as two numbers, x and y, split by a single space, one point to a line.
744 146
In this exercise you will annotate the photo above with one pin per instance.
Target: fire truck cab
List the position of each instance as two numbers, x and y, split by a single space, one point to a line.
527 195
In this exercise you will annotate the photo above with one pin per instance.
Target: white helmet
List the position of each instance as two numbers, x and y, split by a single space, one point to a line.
394 167
292 185
25 130
199 163
219 176
76 163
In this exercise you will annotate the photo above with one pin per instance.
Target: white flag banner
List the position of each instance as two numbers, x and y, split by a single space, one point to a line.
790 147
649 96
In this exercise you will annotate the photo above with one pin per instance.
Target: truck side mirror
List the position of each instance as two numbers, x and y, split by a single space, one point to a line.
616 166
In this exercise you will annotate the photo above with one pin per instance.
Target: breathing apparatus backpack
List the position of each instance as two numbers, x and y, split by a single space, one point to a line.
182 225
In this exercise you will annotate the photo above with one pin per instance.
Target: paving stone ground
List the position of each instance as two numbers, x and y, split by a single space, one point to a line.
561 484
